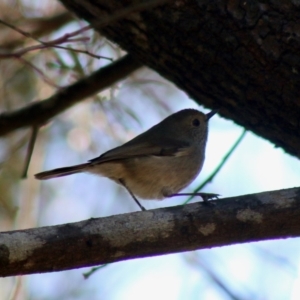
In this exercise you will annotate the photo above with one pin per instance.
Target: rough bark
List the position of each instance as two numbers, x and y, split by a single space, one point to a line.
240 56
269 215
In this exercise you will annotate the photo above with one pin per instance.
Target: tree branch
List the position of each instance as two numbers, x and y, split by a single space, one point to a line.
38 113
242 56
248 218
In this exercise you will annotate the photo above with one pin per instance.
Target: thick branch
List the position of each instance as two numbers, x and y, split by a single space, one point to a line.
38 113
269 215
239 56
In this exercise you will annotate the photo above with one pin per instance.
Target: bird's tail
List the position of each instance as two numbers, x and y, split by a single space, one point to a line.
61 172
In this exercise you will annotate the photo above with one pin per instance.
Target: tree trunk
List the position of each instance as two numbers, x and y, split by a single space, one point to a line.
239 56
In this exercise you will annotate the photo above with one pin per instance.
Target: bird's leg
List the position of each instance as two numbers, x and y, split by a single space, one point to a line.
204 196
134 198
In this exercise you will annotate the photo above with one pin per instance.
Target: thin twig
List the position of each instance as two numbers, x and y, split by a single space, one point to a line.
34 132
40 27
84 52
93 270
41 73
52 44
26 34
66 38
59 40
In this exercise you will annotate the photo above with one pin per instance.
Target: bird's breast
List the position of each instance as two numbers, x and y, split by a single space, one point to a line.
149 177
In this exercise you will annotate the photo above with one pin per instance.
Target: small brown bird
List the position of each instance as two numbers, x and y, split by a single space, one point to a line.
157 163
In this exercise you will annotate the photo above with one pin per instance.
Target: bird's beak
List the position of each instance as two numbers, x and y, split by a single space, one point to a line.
210 114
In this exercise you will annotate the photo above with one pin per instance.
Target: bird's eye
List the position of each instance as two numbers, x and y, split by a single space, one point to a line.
196 122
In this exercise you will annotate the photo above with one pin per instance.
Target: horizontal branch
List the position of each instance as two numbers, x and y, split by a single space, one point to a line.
268 215
38 113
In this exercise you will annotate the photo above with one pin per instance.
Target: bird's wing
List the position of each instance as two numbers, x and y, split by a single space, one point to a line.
169 147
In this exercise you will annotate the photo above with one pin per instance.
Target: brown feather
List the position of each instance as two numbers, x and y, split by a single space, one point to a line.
61 172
